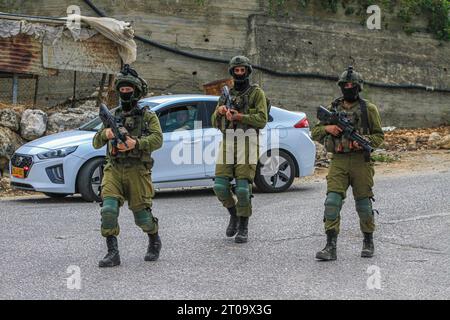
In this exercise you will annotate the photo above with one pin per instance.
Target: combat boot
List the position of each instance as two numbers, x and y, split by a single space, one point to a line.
368 246
242 235
233 224
154 247
329 252
112 258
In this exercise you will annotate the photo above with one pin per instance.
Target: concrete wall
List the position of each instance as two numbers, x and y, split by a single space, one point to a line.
309 40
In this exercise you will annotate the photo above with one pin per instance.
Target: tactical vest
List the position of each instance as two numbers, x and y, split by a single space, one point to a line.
357 115
241 102
136 125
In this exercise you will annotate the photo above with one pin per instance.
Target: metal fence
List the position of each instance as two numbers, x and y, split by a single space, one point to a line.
48 91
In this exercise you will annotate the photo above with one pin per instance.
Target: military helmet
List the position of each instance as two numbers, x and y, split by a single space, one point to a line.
240 61
351 76
129 76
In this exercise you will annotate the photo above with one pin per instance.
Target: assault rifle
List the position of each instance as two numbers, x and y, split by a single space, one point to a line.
110 121
348 131
226 95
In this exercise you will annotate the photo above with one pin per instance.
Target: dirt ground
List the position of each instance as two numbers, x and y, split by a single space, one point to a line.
423 161
6 191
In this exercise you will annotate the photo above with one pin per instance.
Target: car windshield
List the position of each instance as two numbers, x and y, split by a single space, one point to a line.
95 124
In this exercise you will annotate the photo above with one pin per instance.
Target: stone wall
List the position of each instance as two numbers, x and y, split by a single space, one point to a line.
309 40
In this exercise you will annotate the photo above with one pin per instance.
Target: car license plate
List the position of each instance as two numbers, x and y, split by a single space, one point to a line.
18 172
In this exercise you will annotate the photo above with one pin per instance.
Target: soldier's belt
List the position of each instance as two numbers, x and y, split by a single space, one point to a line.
127 162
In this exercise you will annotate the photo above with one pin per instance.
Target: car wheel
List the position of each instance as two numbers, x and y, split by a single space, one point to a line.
277 174
90 179
56 195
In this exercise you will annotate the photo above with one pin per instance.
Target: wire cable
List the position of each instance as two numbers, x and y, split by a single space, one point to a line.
267 70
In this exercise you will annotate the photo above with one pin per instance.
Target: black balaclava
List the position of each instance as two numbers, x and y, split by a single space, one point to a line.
242 82
126 99
350 94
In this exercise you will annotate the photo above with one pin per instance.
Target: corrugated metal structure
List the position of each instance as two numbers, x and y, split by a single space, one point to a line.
41 46
23 54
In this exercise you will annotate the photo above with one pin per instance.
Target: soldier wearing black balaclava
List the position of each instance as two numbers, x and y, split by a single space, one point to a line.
249 112
350 165
127 173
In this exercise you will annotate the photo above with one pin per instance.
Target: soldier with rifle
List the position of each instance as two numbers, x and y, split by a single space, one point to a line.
240 111
131 135
350 129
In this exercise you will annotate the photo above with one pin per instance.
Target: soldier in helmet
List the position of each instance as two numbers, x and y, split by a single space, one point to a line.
350 166
249 112
127 173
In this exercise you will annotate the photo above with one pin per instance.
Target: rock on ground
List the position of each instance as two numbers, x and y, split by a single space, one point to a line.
444 143
415 139
58 122
4 185
10 119
33 124
9 142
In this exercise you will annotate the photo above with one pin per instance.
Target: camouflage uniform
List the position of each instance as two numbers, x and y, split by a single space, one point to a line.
241 164
127 175
349 166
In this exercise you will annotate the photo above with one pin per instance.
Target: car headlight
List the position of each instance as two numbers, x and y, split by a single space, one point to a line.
57 153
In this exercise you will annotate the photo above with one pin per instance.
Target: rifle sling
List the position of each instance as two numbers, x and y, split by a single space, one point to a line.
364 116
364 124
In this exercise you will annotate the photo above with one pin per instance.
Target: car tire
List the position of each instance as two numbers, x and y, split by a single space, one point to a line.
89 179
283 177
56 195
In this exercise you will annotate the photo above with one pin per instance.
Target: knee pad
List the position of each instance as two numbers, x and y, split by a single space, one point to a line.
364 208
222 187
110 212
145 220
333 205
243 192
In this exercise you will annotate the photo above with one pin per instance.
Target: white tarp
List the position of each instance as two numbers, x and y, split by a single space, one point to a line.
120 32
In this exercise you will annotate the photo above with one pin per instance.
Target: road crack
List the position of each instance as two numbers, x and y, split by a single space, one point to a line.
424 217
411 246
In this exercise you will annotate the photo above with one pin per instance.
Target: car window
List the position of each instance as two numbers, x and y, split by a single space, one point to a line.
210 107
179 118
93 125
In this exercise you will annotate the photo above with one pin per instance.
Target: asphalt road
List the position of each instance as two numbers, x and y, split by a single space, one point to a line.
40 238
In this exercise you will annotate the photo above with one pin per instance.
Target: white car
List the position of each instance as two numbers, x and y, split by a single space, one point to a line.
66 163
